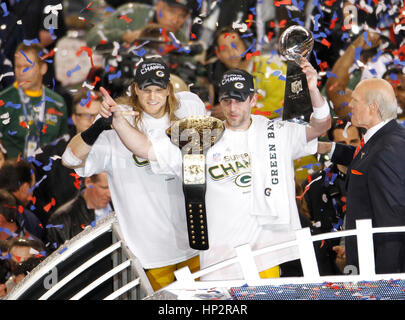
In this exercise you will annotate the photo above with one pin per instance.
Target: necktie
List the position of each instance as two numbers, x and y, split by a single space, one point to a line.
361 145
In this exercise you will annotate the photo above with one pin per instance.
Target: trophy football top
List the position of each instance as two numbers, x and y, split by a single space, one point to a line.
296 42
196 131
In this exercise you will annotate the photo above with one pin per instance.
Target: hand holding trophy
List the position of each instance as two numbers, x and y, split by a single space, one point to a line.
296 43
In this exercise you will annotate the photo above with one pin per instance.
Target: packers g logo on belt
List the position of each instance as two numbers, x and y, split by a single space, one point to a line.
243 180
160 73
238 85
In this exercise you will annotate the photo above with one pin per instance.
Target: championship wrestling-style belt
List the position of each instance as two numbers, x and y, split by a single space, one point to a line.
194 136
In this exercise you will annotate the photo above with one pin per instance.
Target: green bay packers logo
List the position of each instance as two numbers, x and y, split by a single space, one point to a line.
140 163
160 73
238 85
243 180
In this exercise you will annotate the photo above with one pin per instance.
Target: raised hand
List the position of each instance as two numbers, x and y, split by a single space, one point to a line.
311 74
108 106
110 109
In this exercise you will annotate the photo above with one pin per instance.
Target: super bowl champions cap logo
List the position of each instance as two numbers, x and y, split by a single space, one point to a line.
146 67
236 84
152 73
233 78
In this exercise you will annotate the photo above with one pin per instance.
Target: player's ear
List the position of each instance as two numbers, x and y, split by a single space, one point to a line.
43 67
253 99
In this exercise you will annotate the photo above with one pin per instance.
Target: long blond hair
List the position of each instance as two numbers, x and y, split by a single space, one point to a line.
172 103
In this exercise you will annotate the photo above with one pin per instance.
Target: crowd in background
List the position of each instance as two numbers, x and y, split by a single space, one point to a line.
55 55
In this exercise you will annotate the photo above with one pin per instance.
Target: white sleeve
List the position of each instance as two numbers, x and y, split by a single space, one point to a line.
99 158
168 156
297 139
190 105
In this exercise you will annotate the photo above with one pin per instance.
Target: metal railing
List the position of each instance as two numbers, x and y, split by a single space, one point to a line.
72 271
185 280
129 281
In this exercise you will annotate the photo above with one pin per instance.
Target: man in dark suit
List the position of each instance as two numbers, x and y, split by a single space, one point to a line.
376 175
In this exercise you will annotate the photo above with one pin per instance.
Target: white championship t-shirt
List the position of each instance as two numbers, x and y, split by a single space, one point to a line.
150 208
229 196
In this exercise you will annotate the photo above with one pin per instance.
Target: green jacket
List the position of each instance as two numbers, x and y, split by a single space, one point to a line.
137 16
14 129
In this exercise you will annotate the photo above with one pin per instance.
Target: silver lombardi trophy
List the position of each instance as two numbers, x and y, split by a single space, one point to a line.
295 43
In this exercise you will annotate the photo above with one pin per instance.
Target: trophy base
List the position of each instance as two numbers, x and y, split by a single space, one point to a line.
297 100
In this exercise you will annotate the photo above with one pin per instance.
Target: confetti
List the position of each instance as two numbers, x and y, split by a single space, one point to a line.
29 42
307 188
103 38
48 167
125 18
114 76
141 52
69 72
348 124
62 251
29 68
5 10
89 53
109 9
366 39
252 46
7 256
59 226
86 100
8 232
25 56
48 206
326 42
282 3
53 111
316 24
362 290
24 124
330 74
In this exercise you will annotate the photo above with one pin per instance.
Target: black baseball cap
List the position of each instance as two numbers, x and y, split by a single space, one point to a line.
236 84
152 71
186 4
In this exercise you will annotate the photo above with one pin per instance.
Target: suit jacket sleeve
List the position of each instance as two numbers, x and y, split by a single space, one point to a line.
343 154
387 187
